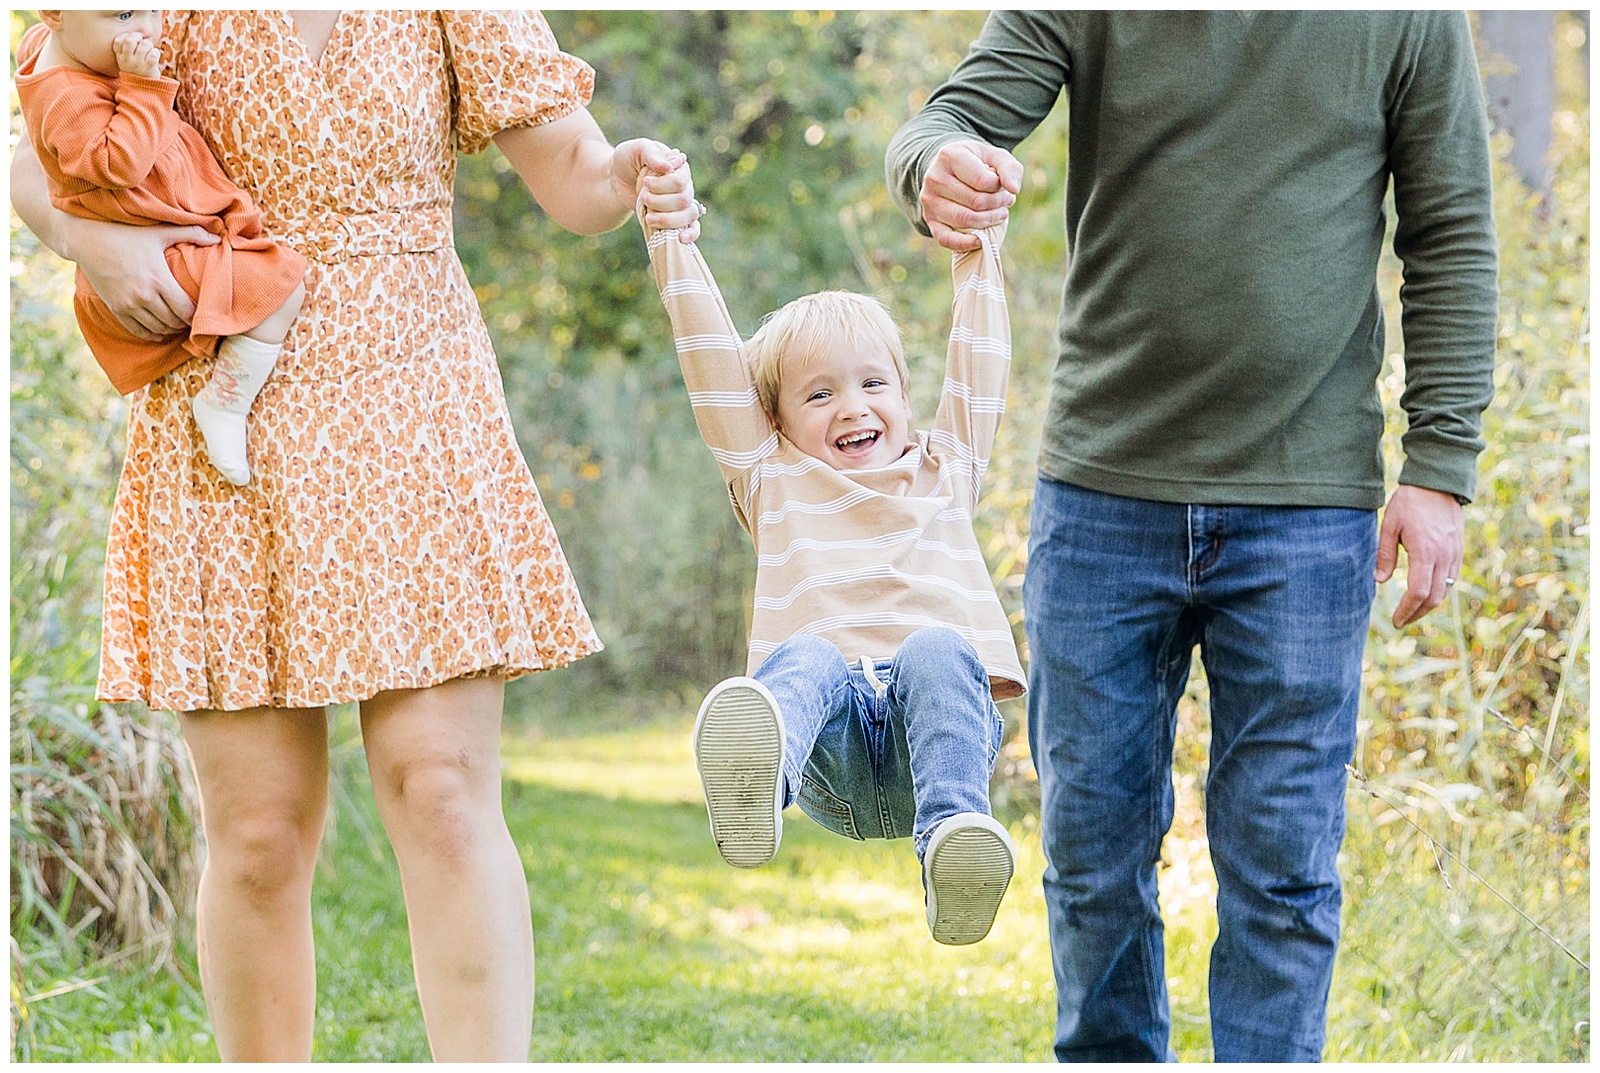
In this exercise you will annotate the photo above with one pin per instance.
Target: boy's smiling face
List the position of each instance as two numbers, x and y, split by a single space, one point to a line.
846 406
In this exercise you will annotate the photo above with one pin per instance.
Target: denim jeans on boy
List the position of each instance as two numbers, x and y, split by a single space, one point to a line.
890 759
1118 591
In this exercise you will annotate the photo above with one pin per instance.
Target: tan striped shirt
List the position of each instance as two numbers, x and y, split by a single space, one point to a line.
862 558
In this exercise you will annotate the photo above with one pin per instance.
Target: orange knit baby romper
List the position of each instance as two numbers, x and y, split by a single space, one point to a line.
113 149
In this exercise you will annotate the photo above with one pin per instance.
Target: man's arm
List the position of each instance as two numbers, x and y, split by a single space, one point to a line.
950 168
1444 237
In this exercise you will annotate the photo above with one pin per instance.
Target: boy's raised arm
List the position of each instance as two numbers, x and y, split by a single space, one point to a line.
978 365
711 353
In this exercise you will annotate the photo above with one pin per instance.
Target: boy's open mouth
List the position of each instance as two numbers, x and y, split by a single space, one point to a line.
857 443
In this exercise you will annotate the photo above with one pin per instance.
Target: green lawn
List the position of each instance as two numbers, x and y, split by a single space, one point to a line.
651 949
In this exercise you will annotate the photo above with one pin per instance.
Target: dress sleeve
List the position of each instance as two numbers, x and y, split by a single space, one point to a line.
508 71
109 135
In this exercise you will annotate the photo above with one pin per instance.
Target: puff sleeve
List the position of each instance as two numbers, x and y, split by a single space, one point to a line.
507 71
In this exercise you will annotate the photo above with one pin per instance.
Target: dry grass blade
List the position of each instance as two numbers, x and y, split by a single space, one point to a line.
1439 847
106 839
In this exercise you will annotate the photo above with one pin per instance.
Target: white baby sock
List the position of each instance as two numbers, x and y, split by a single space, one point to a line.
220 408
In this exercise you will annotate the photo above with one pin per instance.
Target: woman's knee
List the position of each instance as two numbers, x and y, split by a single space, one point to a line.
442 805
265 855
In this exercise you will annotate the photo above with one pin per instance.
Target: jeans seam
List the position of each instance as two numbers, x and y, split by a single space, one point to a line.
1152 989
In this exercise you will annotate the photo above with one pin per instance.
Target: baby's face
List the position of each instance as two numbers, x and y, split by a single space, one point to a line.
86 36
847 407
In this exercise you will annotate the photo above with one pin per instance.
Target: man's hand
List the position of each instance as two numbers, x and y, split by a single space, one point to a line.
136 54
969 185
1429 526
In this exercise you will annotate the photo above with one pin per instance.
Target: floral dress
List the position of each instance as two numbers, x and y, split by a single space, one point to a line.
391 536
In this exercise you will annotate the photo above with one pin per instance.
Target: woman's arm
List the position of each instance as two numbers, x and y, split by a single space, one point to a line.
588 187
126 265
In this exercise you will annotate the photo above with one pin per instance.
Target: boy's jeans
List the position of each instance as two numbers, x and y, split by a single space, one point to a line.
1117 593
891 760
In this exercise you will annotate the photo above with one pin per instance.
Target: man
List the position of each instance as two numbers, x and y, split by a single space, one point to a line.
1210 469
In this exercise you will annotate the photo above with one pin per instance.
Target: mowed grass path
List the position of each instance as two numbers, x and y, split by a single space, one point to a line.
651 949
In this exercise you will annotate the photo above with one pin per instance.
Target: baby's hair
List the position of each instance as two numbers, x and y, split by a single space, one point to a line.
806 326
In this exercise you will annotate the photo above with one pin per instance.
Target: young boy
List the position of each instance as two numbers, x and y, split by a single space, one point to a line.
100 118
878 645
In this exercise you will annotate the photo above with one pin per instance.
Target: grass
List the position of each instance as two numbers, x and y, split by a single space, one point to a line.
651 949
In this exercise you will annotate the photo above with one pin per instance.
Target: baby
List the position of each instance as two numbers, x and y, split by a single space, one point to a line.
100 118
878 645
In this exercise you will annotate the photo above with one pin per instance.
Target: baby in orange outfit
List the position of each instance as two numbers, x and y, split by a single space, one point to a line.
100 118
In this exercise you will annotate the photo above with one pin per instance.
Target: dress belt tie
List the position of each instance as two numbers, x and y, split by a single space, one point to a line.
334 238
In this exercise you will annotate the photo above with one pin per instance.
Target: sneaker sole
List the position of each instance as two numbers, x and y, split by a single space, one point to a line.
968 878
738 749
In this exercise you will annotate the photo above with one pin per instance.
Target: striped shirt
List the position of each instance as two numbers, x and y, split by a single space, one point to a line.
862 558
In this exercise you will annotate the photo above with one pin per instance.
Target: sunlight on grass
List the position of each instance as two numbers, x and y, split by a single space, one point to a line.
647 764
830 921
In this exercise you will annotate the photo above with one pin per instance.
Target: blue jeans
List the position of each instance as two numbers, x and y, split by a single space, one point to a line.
1118 592
889 760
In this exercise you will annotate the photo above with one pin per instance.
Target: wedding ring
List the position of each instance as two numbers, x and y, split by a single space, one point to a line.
1449 581
700 207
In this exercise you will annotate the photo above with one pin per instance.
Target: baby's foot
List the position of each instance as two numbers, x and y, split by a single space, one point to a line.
224 433
738 749
965 871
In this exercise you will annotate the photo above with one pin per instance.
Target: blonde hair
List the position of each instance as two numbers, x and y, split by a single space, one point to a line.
806 330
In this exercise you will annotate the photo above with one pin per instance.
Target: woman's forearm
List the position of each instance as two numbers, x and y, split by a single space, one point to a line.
567 165
30 196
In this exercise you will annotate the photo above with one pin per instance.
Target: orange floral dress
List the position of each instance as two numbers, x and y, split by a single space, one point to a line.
392 536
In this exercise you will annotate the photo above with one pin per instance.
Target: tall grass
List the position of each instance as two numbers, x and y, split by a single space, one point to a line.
103 840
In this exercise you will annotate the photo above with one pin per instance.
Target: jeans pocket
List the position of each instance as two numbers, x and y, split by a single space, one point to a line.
827 810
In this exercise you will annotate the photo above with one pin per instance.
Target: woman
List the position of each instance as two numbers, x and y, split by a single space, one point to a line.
392 548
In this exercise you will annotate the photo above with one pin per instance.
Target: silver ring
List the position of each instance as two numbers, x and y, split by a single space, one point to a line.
1449 581
701 207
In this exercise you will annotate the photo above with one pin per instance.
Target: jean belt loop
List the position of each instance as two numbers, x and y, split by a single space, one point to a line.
869 671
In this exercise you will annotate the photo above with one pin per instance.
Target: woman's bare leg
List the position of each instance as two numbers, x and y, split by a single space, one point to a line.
434 755
263 778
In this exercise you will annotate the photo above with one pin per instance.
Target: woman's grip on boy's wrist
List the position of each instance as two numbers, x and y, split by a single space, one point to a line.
661 184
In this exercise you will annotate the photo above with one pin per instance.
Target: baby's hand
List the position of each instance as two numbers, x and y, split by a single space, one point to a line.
136 54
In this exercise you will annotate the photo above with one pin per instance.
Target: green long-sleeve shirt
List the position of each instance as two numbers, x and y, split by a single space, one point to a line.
1221 333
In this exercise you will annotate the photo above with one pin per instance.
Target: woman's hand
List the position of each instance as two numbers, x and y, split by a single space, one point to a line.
127 267
589 187
647 172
